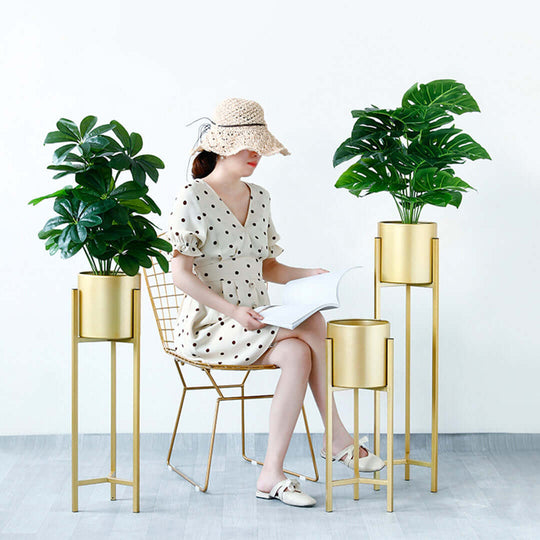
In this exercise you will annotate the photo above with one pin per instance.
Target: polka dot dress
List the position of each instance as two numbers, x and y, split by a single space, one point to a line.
228 258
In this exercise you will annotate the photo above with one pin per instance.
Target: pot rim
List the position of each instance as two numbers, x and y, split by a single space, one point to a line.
89 272
409 224
359 323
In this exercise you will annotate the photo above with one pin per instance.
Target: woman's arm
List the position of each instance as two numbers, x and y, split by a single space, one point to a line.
276 272
188 282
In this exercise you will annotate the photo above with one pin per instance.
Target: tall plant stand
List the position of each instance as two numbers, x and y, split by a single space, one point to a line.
135 340
434 285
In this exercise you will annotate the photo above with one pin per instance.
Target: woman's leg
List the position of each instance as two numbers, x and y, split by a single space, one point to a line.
293 356
312 333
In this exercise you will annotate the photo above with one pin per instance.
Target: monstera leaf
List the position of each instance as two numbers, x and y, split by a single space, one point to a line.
409 151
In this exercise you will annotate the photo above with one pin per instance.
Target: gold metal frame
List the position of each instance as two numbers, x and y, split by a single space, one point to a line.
135 340
434 285
166 299
356 480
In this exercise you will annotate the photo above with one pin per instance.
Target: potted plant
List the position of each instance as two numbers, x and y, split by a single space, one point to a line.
410 152
104 218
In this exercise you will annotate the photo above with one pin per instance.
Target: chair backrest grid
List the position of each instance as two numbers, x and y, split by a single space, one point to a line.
166 300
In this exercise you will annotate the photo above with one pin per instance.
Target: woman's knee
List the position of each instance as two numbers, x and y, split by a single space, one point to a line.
314 325
295 356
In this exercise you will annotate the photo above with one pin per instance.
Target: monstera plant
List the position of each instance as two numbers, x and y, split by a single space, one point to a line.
101 215
411 151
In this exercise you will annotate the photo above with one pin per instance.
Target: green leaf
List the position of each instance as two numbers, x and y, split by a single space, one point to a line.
60 193
69 250
160 243
61 153
99 207
87 124
162 261
97 143
86 195
54 222
128 264
129 190
51 245
149 169
431 179
51 237
96 248
65 167
436 198
417 118
58 136
153 160
136 144
97 179
448 146
447 94
116 232
152 204
113 145
76 158
138 174
375 124
137 205
68 127
63 207
65 237
122 134
120 162
142 257
90 220
120 215
47 234
100 130
369 174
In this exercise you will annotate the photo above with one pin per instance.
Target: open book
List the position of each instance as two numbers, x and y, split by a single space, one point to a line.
303 297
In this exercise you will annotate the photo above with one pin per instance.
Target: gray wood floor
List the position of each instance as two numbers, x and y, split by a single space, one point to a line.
489 487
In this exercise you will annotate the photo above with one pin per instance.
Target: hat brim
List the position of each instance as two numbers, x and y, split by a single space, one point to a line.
229 141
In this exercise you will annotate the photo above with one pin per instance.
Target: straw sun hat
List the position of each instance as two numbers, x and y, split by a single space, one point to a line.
238 124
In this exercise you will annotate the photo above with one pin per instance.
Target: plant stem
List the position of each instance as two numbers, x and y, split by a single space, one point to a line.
90 260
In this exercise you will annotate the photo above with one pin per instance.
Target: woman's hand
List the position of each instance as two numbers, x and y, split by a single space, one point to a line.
314 271
248 317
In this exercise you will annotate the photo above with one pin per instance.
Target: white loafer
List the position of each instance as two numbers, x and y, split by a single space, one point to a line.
369 463
289 492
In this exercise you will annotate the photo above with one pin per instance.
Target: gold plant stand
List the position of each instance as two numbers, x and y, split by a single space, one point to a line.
135 340
434 285
360 354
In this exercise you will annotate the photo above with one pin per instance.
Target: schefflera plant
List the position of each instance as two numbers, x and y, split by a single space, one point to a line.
409 152
99 214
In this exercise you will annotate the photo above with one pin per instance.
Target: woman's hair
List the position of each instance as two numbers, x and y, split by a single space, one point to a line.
203 164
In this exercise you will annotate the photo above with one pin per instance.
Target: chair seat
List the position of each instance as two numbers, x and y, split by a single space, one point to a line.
204 365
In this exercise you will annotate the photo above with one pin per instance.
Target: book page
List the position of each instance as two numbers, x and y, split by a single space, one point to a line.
319 289
285 315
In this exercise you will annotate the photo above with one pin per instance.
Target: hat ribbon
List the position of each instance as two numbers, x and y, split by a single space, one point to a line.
203 128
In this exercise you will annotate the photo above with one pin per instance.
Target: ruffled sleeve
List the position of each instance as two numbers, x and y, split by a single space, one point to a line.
273 236
187 225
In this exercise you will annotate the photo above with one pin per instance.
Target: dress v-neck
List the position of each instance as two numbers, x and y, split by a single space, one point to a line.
223 202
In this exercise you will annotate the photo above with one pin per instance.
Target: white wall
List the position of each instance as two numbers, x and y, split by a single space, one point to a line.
157 66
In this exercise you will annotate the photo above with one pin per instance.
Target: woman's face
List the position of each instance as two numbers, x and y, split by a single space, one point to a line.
242 163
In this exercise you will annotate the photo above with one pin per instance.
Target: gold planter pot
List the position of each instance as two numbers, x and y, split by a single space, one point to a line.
359 352
406 252
106 305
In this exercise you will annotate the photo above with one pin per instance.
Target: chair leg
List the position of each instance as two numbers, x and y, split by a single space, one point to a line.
198 487
256 462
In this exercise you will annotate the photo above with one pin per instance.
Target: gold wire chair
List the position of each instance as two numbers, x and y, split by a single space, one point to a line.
166 299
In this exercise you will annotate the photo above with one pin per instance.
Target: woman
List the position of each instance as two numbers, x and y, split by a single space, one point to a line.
222 228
